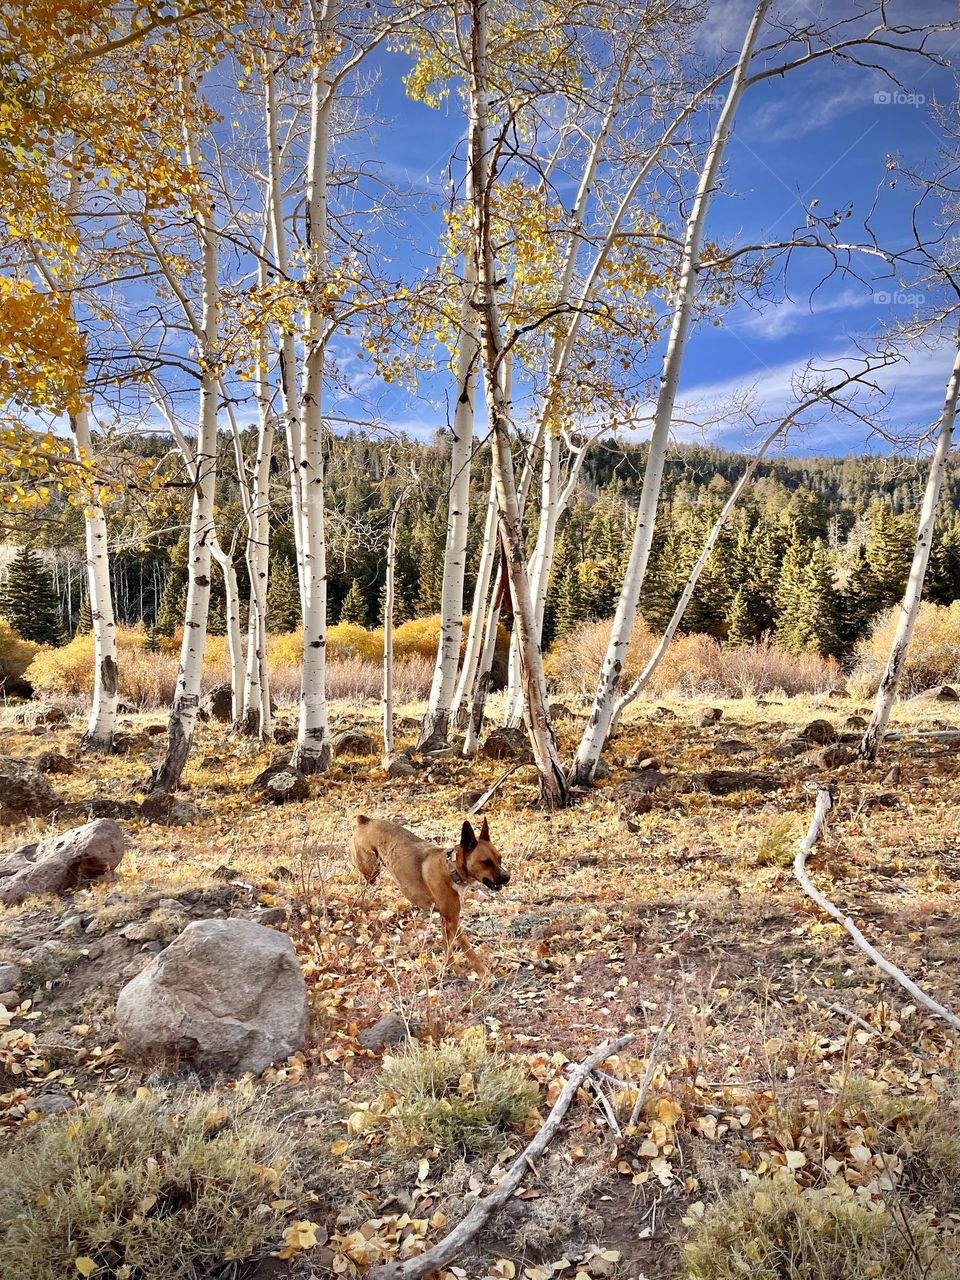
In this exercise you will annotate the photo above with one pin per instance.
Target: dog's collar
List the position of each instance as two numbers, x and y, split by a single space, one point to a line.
455 875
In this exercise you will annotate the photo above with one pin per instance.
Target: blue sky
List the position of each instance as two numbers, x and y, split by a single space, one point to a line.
822 133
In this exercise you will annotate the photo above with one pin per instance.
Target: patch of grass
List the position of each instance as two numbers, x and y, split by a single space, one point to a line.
458 1093
771 1232
142 1188
779 843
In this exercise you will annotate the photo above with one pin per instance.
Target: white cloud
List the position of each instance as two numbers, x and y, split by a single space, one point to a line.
777 319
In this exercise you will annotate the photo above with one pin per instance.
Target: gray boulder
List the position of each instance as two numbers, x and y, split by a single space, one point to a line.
819 732
62 862
168 810
939 693
280 783
24 791
398 766
507 744
218 703
353 742
226 995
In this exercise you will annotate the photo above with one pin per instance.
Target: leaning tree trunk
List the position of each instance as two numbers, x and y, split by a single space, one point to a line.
231 595
102 722
553 787
436 721
186 701
601 715
312 751
460 712
883 705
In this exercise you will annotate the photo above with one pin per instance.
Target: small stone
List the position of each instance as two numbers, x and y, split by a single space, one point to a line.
353 742
834 756
24 792
602 771
731 747
507 743
153 948
218 703
710 716
386 1033
62 862
54 762
270 915
11 975
819 732
9 999
169 810
170 905
52 1104
855 722
70 924
939 693
648 780
281 783
664 713
398 766
789 748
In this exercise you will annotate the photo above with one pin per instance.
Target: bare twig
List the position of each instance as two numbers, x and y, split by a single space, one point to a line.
451 1245
823 805
492 790
651 1068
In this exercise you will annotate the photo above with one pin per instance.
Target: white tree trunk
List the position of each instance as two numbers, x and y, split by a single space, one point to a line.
256 713
553 786
231 593
598 725
312 751
460 709
388 595
436 721
887 692
183 713
102 721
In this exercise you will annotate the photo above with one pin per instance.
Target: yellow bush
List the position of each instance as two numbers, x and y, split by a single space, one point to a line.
933 657
16 654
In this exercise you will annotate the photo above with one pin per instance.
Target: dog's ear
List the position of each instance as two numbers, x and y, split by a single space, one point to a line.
468 840
485 831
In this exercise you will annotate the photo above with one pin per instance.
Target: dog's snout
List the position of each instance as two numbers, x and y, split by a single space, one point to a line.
504 877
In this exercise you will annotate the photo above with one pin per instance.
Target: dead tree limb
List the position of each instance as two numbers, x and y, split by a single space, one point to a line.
442 1254
651 1068
492 790
807 845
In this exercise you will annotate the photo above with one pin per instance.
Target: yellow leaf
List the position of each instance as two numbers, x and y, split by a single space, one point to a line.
339 1147
86 1266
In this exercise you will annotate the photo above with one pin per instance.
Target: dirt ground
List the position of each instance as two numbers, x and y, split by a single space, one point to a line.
665 896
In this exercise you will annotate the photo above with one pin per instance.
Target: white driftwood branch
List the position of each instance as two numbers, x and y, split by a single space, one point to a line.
822 808
651 1068
450 1246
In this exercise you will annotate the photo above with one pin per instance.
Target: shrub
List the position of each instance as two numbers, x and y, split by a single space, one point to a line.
933 657
772 1232
16 654
141 1189
458 1093
692 664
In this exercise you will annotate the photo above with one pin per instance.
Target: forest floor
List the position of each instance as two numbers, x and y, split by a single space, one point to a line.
782 1035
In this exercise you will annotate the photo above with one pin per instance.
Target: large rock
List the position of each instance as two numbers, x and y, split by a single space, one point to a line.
398 766
727 782
61 862
218 703
819 732
280 783
24 791
96 807
168 810
226 995
353 742
939 693
507 744
40 714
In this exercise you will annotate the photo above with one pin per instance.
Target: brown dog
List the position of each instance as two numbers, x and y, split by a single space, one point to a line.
427 875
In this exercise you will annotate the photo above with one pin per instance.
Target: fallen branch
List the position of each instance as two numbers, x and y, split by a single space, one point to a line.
821 809
605 1106
844 1012
651 1068
492 790
451 1245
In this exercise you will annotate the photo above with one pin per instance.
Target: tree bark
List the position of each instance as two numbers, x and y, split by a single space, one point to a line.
436 721
910 606
388 597
102 721
460 709
183 713
312 751
598 725
553 786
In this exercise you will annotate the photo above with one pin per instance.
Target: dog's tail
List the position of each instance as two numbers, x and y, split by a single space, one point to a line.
362 819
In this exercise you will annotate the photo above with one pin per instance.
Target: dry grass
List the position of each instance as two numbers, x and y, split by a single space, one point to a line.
933 657
458 1093
771 1232
693 664
141 1189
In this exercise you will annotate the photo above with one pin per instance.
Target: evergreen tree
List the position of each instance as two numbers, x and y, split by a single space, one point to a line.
283 597
808 602
570 604
29 602
942 583
173 598
354 606
740 628
862 599
84 617
889 551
